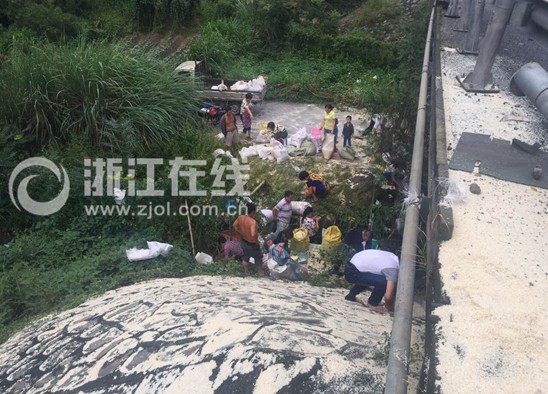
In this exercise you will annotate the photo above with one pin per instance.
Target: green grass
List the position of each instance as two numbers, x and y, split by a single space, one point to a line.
116 97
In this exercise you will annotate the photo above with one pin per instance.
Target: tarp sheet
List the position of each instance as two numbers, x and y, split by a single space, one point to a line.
499 159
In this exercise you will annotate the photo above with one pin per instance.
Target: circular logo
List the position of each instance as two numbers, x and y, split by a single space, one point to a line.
26 202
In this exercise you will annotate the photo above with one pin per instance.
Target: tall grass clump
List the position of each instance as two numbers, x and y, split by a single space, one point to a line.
115 97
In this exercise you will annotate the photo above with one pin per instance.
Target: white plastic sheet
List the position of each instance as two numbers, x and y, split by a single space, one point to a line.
155 249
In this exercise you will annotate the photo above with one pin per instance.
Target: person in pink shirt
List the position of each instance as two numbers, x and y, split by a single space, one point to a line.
231 249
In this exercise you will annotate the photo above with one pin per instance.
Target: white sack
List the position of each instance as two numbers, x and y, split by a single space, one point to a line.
297 139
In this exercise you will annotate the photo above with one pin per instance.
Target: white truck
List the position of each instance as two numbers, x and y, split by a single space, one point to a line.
210 92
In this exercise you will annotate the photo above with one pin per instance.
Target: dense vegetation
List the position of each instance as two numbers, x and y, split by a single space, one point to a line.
78 90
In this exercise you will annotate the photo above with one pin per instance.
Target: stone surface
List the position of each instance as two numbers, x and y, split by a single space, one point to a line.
475 189
202 335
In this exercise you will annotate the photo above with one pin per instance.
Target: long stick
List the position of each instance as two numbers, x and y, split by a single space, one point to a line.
190 228
257 188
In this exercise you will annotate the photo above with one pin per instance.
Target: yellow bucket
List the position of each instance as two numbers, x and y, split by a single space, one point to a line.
300 242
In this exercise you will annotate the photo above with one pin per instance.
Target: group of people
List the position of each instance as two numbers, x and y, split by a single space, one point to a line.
369 268
249 250
228 122
330 125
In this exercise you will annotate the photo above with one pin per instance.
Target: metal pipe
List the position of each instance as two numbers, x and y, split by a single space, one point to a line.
471 44
453 9
465 16
531 80
481 79
400 340
540 16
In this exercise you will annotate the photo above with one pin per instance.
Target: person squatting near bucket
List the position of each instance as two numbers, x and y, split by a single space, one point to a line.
376 270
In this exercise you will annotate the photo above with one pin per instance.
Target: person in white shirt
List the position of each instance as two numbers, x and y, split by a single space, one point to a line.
373 268
281 213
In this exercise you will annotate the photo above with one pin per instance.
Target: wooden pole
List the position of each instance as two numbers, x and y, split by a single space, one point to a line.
190 228
257 188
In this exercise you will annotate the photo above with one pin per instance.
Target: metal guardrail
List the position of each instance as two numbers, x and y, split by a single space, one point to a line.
400 340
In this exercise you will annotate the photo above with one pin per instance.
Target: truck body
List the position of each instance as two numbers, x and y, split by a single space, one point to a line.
225 98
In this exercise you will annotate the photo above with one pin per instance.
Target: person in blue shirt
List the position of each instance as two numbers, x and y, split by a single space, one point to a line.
316 185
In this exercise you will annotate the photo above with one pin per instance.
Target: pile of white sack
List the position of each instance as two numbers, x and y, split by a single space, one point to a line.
274 151
255 85
299 144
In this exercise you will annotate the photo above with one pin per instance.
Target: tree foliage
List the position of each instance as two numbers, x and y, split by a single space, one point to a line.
160 14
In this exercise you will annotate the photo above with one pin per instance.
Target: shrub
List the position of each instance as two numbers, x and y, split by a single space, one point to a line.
376 11
220 43
57 26
159 14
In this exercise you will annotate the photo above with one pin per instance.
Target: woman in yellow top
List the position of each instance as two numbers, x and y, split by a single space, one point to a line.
328 123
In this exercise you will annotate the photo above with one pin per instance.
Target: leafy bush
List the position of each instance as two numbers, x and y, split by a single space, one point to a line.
376 11
57 26
266 19
220 43
160 14
212 10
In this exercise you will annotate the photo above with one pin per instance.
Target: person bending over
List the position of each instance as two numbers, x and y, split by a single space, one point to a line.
377 269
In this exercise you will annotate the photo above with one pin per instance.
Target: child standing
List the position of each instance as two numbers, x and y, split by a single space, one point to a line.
336 133
348 130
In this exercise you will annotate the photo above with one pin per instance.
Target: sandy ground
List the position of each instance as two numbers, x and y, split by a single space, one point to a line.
493 335
203 335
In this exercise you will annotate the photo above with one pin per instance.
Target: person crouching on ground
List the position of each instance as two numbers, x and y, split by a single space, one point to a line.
376 268
281 265
231 249
279 133
316 185
311 223
246 226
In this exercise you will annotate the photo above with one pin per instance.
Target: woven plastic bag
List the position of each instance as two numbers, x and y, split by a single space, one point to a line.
300 242
331 238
